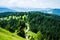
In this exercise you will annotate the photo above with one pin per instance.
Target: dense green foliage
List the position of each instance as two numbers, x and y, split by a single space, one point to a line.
44 26
49 25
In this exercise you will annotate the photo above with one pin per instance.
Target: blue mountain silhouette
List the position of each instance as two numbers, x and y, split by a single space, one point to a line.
44 10
2 9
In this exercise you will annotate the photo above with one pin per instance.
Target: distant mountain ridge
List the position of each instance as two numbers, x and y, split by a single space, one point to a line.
44 10
2 9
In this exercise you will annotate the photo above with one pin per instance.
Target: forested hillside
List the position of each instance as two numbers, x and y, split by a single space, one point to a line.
31 25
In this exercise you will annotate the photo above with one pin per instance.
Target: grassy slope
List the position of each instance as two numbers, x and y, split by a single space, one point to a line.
6 35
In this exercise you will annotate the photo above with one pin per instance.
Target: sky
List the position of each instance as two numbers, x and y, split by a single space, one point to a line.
30 3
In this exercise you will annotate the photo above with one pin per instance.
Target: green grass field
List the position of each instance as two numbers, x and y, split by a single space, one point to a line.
6 35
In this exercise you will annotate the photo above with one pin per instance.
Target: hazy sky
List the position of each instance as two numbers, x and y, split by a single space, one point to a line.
30 3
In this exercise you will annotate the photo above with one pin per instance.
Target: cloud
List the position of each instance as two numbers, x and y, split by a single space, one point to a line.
31 3
7 3
34 0
50 12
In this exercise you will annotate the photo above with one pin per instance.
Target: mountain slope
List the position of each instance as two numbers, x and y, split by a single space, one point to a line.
6 35
47 24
